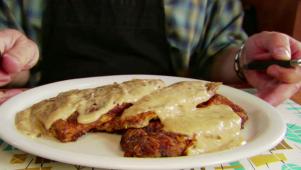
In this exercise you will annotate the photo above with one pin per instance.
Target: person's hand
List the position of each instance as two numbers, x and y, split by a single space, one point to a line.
276 83
18 55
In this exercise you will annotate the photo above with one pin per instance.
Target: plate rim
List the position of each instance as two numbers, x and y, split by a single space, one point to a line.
131 163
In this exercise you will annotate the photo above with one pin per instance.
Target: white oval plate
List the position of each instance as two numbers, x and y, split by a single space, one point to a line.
264 130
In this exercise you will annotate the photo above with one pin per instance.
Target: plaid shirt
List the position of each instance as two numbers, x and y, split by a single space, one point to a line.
202 26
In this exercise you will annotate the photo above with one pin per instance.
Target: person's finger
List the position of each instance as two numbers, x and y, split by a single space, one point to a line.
5 95
4 78
277 94
285 75
258 79
18 52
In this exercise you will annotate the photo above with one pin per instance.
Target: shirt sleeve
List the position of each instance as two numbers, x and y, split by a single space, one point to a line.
23 15
222 29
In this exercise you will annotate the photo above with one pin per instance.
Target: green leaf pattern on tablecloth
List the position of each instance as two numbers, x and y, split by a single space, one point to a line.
290 167
292 106
238 165
9 148
293 133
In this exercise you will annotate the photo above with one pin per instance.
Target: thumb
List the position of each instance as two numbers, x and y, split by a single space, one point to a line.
276 44
282 52
279 46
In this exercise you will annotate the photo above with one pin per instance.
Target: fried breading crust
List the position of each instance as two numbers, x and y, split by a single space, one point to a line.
70 130
152 141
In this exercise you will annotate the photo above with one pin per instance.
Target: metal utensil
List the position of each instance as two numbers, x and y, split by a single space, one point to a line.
264 64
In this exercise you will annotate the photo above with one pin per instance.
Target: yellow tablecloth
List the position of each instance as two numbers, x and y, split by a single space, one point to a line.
285 156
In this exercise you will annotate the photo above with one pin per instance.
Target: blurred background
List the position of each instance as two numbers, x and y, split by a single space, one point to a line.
273 15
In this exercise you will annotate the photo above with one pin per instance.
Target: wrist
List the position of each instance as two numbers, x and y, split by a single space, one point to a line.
239 61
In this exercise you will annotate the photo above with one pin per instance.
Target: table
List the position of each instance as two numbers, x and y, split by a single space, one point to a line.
285 156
